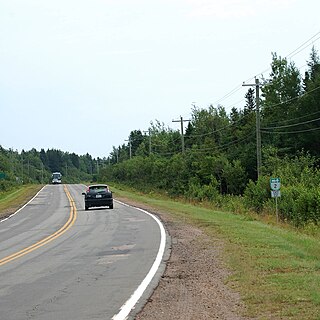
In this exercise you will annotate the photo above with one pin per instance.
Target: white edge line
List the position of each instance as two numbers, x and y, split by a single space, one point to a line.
132 301
11 215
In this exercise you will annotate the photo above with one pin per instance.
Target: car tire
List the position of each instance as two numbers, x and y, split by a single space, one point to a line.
111 206
86 208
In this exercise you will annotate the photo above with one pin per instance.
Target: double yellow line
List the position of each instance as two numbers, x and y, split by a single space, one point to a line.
62 230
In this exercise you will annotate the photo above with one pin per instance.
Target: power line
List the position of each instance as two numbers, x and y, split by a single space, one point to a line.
304 45
300 48
294 52
293 119
226 145
233 91
290 132
294 98
240 120
220 129
291 125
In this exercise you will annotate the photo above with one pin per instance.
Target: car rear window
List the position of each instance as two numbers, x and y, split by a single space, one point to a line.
98 188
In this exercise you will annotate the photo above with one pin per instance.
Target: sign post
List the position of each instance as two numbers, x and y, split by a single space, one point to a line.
275 184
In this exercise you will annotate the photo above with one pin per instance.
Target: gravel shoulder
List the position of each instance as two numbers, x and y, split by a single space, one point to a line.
193 285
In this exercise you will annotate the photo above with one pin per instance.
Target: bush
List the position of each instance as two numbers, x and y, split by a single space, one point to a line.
287 210
6 185
257 194
307 206
202 192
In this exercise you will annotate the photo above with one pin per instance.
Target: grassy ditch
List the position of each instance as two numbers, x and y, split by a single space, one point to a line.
276 268
12 200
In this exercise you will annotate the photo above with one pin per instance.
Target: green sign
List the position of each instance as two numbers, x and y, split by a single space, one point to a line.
275 184
2 175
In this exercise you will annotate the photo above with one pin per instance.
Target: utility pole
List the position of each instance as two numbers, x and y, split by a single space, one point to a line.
41 172
22 167
149 131
182 135
258 132
130 152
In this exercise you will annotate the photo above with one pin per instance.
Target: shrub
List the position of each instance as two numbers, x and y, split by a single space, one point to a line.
256 194
202 192
307 206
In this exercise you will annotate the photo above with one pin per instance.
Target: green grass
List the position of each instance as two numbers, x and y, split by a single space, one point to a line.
12 200
276 269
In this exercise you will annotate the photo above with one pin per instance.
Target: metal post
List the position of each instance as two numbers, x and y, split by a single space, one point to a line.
277 209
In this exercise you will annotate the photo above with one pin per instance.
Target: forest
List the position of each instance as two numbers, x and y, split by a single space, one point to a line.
27 167
215 159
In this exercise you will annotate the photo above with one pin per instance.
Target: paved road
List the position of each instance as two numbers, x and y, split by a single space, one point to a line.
79 264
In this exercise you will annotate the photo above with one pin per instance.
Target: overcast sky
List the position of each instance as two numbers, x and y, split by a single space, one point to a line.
79 75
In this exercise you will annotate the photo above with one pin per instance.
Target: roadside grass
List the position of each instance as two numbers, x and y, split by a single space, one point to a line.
275 268
12 200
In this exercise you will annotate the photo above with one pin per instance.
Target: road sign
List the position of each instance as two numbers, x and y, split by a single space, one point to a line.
275 193
275 184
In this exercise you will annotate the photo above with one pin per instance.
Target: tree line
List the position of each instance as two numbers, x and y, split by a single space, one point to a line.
219 158
17 168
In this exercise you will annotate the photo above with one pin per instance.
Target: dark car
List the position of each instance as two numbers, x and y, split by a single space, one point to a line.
98 195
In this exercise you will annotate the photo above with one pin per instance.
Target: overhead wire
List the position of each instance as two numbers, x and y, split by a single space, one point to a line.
300 48
236 89
290 125
295 52
294 119
291 132
219 147
294 98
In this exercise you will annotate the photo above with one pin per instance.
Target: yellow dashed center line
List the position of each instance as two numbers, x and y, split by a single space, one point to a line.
62 230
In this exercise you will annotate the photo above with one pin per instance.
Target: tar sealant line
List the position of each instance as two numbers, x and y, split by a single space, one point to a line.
132 301
11 215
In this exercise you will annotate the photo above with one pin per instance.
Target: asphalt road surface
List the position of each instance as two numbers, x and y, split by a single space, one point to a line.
58 261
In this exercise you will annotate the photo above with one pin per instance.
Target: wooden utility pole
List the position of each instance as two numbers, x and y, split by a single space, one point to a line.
150 149
182 134
130 152
258 132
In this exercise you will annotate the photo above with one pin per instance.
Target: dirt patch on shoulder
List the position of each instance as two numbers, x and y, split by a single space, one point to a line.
193 285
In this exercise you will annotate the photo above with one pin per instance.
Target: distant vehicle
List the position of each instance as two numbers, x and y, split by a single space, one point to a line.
98 195
56 178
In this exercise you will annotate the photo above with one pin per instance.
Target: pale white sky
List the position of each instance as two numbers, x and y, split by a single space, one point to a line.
80 75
